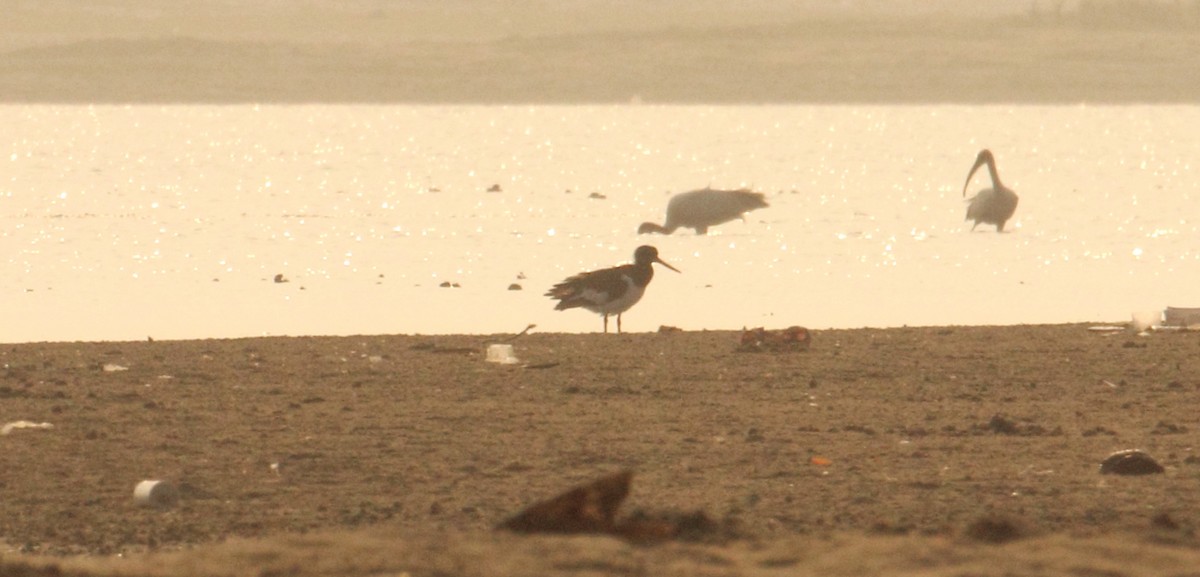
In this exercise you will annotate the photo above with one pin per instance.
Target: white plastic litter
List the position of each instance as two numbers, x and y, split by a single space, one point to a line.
155 493
1146 320
10 427
502 354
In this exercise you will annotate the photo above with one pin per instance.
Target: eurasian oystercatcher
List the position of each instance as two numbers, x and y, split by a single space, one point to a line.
609 291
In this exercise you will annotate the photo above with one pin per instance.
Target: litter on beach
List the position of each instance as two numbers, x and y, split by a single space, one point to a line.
1182 317
1143 321
10 427
155 493
502 354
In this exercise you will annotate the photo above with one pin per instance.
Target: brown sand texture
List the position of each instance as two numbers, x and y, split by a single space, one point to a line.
912 451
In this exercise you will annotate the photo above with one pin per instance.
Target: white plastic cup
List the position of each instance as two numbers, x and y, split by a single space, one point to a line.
154 493
502 354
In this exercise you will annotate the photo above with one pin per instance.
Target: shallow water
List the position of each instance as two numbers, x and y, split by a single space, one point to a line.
172 222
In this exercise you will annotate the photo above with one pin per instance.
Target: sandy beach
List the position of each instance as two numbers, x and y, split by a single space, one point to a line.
938 451
911 451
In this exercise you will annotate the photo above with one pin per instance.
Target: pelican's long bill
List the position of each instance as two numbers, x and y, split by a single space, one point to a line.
979 161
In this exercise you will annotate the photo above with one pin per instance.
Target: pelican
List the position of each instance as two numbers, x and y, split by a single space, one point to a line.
611 290
993 205
700 209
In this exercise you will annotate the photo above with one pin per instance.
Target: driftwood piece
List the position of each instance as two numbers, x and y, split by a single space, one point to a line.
592 508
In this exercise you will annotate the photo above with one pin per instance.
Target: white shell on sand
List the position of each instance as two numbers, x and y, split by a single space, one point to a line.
155 493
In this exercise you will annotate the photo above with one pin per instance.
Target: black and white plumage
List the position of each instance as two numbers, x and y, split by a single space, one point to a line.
993 205
700 209
609 291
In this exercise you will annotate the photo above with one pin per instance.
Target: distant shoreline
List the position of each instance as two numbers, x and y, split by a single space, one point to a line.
801 62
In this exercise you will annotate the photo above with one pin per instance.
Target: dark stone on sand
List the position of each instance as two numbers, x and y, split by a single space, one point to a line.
1002 425
1130 462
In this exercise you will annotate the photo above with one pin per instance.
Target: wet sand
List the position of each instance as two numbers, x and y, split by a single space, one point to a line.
941 450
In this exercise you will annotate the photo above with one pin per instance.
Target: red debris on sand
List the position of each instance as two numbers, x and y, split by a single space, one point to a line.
793 338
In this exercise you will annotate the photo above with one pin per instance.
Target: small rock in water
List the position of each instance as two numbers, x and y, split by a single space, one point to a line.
1131 462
